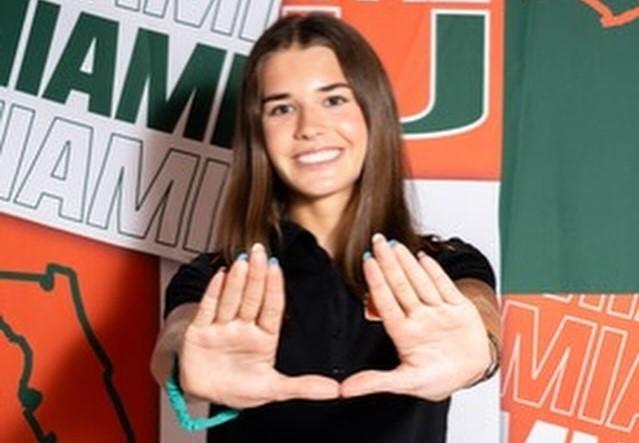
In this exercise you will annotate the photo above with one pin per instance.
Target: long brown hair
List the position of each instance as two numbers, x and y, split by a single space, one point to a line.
256 198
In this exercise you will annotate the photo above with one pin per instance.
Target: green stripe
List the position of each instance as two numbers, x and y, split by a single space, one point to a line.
569 209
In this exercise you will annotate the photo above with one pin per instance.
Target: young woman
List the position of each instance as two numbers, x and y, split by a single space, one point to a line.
325 316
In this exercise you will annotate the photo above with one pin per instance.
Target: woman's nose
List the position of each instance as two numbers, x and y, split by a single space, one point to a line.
309 124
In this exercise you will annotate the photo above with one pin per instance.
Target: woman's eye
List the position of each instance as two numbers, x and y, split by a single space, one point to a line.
335 100
280 110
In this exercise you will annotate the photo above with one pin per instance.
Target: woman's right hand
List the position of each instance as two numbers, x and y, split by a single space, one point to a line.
228 352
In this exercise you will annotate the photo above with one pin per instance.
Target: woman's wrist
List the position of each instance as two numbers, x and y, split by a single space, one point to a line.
495 360
178 403
170 341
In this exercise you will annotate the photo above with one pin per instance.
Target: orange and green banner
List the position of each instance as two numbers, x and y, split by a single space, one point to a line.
521 134
568 217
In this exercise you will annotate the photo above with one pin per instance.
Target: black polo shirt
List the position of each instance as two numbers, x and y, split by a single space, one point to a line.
325 332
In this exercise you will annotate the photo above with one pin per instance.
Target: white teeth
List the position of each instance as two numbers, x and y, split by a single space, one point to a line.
323 155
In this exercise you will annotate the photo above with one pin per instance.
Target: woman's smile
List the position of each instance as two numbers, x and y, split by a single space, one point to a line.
318 156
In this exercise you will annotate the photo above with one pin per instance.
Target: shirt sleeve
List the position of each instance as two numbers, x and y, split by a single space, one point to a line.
462 260
190 281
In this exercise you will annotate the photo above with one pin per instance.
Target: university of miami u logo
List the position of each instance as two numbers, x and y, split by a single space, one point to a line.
459 72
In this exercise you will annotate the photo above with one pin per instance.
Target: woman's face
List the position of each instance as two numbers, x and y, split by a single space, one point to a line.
314 129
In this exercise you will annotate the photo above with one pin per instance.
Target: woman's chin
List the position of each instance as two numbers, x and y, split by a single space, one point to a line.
322 193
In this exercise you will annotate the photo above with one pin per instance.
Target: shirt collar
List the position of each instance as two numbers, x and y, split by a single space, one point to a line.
297 247
291 233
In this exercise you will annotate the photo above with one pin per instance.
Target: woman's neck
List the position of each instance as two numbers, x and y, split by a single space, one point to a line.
321 217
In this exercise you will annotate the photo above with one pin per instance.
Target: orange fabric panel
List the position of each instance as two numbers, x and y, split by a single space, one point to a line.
88 314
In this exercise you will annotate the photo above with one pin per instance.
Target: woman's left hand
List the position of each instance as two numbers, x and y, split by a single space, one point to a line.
438 333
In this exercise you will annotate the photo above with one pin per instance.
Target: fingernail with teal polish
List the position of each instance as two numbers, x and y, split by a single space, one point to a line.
367 255
242 256
393 242
273 261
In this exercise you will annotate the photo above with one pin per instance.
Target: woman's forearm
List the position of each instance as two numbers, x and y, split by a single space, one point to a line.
170 341
485 300
486 303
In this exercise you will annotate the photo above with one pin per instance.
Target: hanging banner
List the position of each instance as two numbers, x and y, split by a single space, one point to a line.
115 116
570 370
78 321
569 197
115 124
568 218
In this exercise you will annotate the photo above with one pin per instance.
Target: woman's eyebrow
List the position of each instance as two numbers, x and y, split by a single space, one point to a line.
334 86
286 95
275 97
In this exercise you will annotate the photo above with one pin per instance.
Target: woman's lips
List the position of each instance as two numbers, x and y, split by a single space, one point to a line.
318 156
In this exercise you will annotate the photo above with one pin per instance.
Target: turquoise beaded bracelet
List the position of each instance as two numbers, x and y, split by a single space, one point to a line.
177 402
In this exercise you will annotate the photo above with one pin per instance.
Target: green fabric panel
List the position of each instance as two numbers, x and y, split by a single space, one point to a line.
569 204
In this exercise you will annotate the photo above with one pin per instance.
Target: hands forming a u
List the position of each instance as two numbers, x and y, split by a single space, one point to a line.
228 352
438 333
